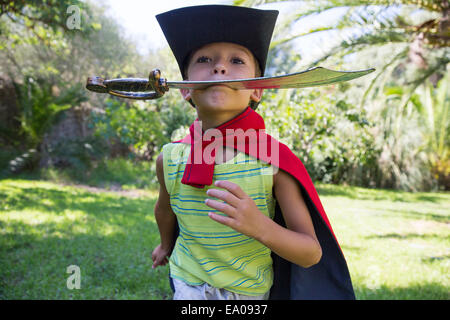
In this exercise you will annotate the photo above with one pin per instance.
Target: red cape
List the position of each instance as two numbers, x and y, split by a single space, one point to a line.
330 278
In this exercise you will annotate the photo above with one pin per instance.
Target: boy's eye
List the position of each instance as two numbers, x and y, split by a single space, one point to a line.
203 59
237 61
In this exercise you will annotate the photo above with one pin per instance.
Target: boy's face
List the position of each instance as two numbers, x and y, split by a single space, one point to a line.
221 61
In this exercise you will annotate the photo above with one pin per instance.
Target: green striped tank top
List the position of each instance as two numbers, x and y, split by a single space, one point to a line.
207 251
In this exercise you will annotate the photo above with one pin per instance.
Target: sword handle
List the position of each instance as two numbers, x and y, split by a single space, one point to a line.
131 88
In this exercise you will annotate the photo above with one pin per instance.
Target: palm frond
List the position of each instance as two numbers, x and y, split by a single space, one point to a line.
254 3
276 43
383 71
432 5
356 44
438 66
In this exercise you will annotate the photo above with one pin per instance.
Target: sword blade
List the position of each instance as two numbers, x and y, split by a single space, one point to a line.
317 76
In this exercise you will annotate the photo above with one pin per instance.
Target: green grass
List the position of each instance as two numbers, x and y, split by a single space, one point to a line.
46 227
397 244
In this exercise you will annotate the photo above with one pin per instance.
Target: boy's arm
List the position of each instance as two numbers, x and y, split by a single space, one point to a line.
165 218
300 244
297 243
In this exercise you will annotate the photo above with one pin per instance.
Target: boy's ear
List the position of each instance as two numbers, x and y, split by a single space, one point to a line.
186 93
256 95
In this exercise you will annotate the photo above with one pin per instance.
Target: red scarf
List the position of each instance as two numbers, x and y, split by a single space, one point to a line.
327 280
200 165
200 172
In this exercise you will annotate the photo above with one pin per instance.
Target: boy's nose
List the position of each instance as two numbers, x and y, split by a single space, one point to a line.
219 69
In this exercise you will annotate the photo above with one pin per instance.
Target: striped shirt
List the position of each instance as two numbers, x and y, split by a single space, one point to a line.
207 251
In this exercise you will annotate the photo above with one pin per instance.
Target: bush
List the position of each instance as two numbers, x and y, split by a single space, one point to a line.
330 136
134 124
77 153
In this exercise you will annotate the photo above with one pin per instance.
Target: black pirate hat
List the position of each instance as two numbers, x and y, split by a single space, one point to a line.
187 29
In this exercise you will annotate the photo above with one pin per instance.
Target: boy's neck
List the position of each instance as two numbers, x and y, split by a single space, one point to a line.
214 119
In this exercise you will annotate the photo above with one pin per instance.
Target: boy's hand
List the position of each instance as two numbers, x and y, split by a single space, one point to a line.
159 256
242 213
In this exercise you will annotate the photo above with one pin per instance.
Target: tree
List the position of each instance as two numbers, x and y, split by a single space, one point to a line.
52 14
49 62
377 23
408 43
433 105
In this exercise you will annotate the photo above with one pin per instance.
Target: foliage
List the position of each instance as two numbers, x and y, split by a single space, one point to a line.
407 42
376 24
402 160
50 62
369 132
140 126
176 114
40 107
77 153
35 13
20 162
433 105
412 136
134 124
147 126
34 31
330 136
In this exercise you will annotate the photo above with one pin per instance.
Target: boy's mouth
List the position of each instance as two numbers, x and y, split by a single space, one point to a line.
218 85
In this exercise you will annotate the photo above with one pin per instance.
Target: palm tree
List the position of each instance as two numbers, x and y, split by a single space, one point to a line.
433 105
378 23
408 41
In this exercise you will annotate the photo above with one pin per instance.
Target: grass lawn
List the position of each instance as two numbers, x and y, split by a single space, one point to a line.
397 244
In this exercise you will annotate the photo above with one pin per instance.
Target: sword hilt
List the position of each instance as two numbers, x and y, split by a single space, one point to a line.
131 88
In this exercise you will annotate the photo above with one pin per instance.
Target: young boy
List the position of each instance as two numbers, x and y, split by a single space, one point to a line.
229 246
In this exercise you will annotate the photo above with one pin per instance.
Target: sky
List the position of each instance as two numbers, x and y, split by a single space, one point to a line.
138 17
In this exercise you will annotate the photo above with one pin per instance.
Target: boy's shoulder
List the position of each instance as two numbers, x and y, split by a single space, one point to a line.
166 149
174 145
172 151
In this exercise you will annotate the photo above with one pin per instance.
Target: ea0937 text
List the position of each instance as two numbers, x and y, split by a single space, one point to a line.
246 309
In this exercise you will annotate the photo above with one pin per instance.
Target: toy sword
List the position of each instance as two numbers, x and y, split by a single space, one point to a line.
154 87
